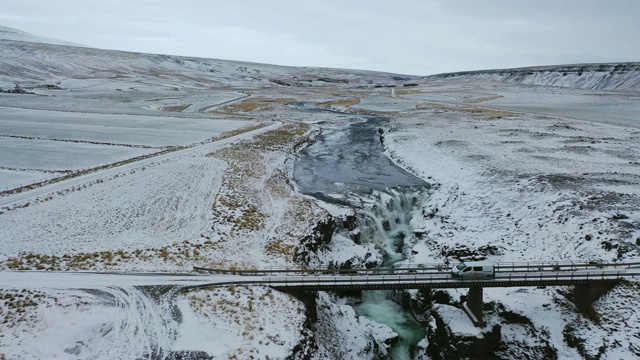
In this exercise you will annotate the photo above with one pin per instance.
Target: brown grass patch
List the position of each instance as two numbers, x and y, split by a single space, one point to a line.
259 103
483 112
474 100
239 131
236 205
176 108
278 248
180 253
249 106
490 113
342 102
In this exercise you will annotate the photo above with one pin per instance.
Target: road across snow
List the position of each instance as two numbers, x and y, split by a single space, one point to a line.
24 196
100 280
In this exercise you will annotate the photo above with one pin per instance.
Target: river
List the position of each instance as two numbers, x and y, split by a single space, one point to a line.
346 166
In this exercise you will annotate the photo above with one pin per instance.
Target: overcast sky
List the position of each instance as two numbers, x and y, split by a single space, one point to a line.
418 37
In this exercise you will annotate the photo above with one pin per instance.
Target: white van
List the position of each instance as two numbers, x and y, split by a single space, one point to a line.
475 269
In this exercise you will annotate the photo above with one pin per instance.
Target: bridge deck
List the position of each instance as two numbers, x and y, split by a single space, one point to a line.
433 280
381 282
436 268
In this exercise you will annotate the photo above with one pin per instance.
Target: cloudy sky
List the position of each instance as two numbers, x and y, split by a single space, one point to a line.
419 37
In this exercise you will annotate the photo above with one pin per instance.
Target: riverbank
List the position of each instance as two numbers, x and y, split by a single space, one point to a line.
517 187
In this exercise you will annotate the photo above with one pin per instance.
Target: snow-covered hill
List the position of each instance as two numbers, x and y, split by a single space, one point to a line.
611 76
28 60
7 33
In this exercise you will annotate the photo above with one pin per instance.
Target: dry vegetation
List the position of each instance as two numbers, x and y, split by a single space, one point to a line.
257 199
258 104
16 305
239 131
341 102
252 183
480 111
244 313
479 99
176 108
428 105
236 204
183 254
488 113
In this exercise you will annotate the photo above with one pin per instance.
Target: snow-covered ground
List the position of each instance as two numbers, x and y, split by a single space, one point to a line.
514 186
17 35
534 186
12 179
152 131
616 76
60 156
39 142
519 172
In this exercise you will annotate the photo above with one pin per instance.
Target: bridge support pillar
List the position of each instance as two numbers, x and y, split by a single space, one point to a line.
473 306
585 295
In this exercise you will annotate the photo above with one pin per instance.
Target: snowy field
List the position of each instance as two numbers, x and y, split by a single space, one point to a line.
116 214
536 185
160 218
11 179
41 140
32 154
119 125
387 104
617 108
515 186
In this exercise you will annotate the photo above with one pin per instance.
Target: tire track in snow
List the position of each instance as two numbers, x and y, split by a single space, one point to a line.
144 325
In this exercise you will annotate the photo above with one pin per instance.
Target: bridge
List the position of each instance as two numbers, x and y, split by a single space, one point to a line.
591 279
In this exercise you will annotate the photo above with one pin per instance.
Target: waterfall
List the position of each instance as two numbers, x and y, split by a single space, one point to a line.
346 166
384 220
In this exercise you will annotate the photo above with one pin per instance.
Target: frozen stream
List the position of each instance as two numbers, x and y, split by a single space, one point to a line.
347 160
346 166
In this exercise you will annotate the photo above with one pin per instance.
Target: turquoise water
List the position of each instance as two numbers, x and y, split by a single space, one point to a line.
377 307
348 160
385 222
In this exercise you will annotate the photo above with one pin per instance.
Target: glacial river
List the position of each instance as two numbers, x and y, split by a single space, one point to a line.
346 166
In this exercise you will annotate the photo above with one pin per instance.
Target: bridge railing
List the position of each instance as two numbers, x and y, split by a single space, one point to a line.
290 270
517 278
500 267
561 265
389 281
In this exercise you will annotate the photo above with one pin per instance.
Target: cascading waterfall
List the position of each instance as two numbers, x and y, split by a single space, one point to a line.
385 221
346 166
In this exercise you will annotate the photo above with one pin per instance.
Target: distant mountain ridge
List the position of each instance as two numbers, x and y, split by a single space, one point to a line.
31 61
608 76
7 33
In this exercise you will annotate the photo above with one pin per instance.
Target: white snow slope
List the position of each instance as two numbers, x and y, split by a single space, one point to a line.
622 76
8 33
516 186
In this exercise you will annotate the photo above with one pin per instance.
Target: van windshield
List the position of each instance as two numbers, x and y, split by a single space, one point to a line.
461 266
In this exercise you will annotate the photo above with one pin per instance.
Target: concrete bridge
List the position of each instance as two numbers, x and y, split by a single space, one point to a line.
591 280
